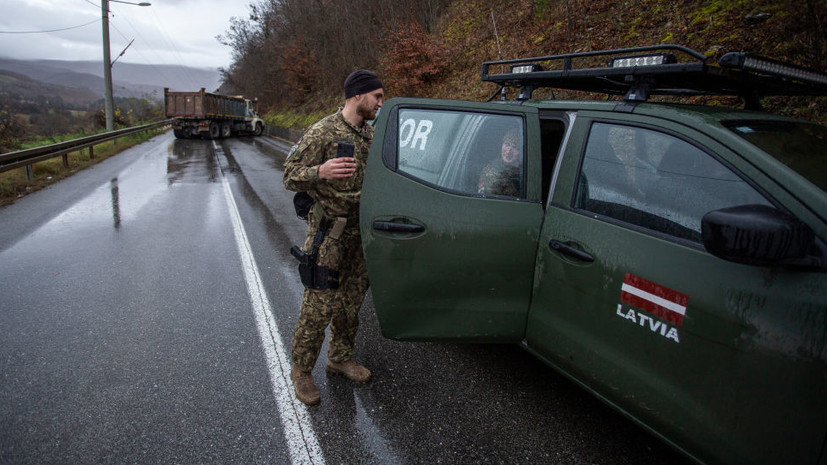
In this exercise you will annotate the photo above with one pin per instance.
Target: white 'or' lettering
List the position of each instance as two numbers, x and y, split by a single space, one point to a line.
406 132
422 132
412 133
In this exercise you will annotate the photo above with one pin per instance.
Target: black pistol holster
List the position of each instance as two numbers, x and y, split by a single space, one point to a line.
312 275
302 203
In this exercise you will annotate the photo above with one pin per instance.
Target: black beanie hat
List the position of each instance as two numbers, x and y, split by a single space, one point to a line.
361 82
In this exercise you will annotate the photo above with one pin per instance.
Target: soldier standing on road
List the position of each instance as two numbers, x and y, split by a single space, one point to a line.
339 281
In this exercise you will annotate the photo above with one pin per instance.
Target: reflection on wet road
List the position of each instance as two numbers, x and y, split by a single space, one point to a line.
129 335
188 163
302 444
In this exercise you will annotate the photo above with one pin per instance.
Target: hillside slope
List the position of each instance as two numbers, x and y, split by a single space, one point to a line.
19 87
782 29
129 80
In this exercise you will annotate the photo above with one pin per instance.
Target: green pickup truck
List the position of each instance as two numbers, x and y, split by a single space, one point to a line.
669 258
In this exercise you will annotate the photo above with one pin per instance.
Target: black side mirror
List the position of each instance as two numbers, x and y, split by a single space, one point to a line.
763 236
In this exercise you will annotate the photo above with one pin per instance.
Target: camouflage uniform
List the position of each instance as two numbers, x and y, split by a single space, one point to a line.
501 179
334 198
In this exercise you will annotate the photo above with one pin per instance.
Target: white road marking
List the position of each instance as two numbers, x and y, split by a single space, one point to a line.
298 430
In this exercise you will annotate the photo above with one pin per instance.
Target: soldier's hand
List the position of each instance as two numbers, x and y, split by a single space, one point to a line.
337 168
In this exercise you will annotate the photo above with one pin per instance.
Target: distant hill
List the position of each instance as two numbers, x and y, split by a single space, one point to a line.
129 80
24 88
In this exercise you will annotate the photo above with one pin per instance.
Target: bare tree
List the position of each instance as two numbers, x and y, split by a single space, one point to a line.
289 50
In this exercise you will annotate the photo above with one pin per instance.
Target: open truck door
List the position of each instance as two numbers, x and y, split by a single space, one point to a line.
447 258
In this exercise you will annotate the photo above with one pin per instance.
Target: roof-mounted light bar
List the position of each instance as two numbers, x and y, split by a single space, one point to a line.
529 68
643 60
748 62
640 72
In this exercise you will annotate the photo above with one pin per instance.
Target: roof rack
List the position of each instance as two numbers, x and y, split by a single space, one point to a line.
640 72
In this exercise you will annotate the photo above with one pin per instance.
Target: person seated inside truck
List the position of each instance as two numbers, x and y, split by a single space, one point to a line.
503 176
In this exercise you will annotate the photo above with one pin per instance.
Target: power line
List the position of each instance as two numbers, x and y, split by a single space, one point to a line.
182 70
137 49
52 30
186 73
159 25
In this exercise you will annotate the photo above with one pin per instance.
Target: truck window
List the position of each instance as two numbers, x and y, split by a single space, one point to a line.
801 146
463 152
655 181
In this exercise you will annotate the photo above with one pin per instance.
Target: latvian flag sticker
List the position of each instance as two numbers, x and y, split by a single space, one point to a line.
653 298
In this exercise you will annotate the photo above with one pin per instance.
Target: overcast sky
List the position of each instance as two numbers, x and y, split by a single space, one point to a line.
178 32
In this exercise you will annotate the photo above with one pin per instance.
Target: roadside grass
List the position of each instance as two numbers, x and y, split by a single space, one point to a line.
40 141
14 185
295 119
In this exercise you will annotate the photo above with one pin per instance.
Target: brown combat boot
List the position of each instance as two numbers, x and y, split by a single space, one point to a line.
351 369
306 390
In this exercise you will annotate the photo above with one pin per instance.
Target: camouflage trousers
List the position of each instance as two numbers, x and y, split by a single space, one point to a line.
338 308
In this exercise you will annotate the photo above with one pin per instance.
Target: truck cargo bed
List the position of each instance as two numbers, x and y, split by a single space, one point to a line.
203 104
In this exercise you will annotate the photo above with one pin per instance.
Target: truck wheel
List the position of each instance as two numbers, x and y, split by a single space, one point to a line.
215 130
179 133
226 130
259 129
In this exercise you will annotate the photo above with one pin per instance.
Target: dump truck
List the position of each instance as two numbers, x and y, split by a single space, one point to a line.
211 116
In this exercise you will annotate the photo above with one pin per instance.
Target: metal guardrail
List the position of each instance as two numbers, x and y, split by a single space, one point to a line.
12 160
292 135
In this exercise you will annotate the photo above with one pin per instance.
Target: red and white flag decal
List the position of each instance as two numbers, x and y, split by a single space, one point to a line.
653 298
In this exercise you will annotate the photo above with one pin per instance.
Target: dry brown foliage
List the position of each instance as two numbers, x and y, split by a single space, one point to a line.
296 53
412 59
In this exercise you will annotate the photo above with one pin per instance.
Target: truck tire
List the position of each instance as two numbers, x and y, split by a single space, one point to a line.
215 130
179 133
259 129
226 130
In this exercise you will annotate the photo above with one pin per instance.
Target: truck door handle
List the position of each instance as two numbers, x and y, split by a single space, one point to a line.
391 226
564 249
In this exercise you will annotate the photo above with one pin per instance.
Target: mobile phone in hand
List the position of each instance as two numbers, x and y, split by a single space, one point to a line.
345 149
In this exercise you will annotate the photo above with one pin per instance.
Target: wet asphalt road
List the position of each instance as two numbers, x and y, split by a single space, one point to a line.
130 334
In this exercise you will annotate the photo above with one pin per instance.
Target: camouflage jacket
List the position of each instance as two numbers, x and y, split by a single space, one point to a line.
501 179
338 197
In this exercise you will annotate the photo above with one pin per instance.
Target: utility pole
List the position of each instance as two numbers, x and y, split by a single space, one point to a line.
109 105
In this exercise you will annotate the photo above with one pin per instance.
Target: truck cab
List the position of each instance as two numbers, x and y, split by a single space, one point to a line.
251 109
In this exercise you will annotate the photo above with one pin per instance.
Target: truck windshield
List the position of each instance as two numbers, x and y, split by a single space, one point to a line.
801 146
